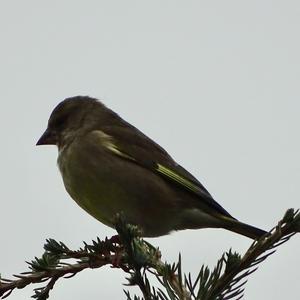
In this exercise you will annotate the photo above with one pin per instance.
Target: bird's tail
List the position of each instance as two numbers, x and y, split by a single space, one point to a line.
244 229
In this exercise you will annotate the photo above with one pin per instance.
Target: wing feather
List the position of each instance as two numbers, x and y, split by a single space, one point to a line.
129 143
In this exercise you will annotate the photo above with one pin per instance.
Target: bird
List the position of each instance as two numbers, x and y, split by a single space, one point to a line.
110 167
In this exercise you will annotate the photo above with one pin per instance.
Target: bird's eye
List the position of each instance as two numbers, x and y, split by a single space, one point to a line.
57 123
60 123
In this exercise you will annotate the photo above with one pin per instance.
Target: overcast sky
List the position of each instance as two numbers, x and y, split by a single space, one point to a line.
216 83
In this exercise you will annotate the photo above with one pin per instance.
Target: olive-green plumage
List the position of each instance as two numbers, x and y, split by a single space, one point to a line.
108 167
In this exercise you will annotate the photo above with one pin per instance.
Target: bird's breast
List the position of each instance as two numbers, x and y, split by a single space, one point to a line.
105 184
87 184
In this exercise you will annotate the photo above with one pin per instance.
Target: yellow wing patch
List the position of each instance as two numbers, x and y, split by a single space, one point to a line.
107 142
174 176
112 147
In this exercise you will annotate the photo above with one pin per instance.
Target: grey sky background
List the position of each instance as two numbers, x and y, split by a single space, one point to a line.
214 82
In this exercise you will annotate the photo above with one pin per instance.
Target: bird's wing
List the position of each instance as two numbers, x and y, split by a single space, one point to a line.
129 143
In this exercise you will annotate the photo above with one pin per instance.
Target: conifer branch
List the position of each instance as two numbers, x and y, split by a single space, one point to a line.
138 258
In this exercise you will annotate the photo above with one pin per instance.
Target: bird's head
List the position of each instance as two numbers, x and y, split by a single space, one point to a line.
72 117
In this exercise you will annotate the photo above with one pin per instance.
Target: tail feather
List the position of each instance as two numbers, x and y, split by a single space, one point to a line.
244 229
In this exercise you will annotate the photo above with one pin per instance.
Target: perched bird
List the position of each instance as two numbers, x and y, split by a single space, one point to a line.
108 167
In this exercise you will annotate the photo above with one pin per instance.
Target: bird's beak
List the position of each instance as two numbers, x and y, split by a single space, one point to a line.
48 138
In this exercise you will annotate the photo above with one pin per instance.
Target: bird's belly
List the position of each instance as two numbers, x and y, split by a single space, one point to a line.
98 199
143 198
